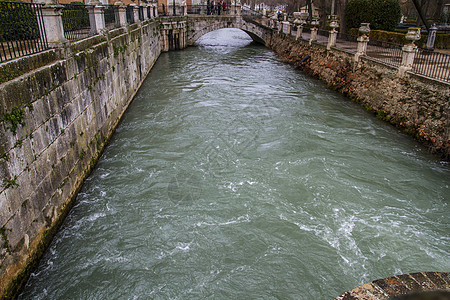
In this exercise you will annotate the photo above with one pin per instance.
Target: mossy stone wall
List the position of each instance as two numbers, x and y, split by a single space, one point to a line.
58 109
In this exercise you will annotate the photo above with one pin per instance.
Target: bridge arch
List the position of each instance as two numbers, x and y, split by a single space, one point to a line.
201 25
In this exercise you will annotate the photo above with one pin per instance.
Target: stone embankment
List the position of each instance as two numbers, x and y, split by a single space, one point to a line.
58 110
414 286
417 105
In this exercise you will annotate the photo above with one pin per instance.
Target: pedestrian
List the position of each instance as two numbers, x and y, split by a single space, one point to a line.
224 7
219 7
212 7
208 8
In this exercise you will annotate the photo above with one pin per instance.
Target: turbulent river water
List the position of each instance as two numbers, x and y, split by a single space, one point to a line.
234 176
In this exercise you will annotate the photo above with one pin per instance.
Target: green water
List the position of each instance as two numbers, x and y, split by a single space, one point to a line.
234 176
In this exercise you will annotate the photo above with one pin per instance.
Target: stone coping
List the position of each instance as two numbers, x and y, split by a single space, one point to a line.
406 286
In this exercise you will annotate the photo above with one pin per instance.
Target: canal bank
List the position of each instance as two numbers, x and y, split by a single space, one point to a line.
59 108
70 106
417 105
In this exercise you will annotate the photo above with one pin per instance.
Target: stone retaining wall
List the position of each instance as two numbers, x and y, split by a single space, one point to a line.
59 108
417 105
417 285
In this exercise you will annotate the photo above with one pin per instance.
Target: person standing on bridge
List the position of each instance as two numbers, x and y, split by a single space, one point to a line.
224 6
212 7
219 7
208 8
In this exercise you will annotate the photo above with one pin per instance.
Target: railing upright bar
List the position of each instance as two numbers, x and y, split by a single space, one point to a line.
15 36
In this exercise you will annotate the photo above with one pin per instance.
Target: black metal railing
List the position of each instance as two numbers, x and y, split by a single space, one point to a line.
197 9
388 53
22 30
130 14
75 18
141 13
347 37
250 12
432 64
111 11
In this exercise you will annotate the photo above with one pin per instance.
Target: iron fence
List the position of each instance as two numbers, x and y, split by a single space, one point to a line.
22 30
322 36
198 10
432 64
388 53
75 18
111 11
130 14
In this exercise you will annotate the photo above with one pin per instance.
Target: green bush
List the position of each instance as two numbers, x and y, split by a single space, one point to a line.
442 40
18 22
381 14
75 16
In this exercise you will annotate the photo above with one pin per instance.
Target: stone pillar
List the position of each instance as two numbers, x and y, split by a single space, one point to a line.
96 17
166 27
313 37
299 32
135 13
286 27
51 17
362 41
314 30
409 51
333 35
431 37
121 13
144 8
183 35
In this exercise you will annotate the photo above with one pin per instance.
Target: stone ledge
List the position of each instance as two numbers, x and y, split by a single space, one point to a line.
411 285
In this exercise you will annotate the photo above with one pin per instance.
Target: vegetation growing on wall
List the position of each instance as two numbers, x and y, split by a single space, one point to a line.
13 119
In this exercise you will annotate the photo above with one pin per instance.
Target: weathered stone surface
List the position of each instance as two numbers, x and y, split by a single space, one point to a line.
417 105
405 284
71 107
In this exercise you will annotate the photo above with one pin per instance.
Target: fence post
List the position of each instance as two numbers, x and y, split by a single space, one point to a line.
409 51
431 37
286 27
96 17
333 35
362 41
135 12
52 19
145 11
121 13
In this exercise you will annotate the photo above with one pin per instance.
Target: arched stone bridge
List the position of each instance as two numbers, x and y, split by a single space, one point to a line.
179 32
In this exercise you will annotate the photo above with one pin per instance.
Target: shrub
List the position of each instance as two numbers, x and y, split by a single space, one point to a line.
381 14
18 22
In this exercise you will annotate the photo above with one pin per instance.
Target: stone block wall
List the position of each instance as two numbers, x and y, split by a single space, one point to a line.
413 103
58 109
418 286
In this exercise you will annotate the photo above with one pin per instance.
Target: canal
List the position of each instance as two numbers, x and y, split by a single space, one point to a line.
234 176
